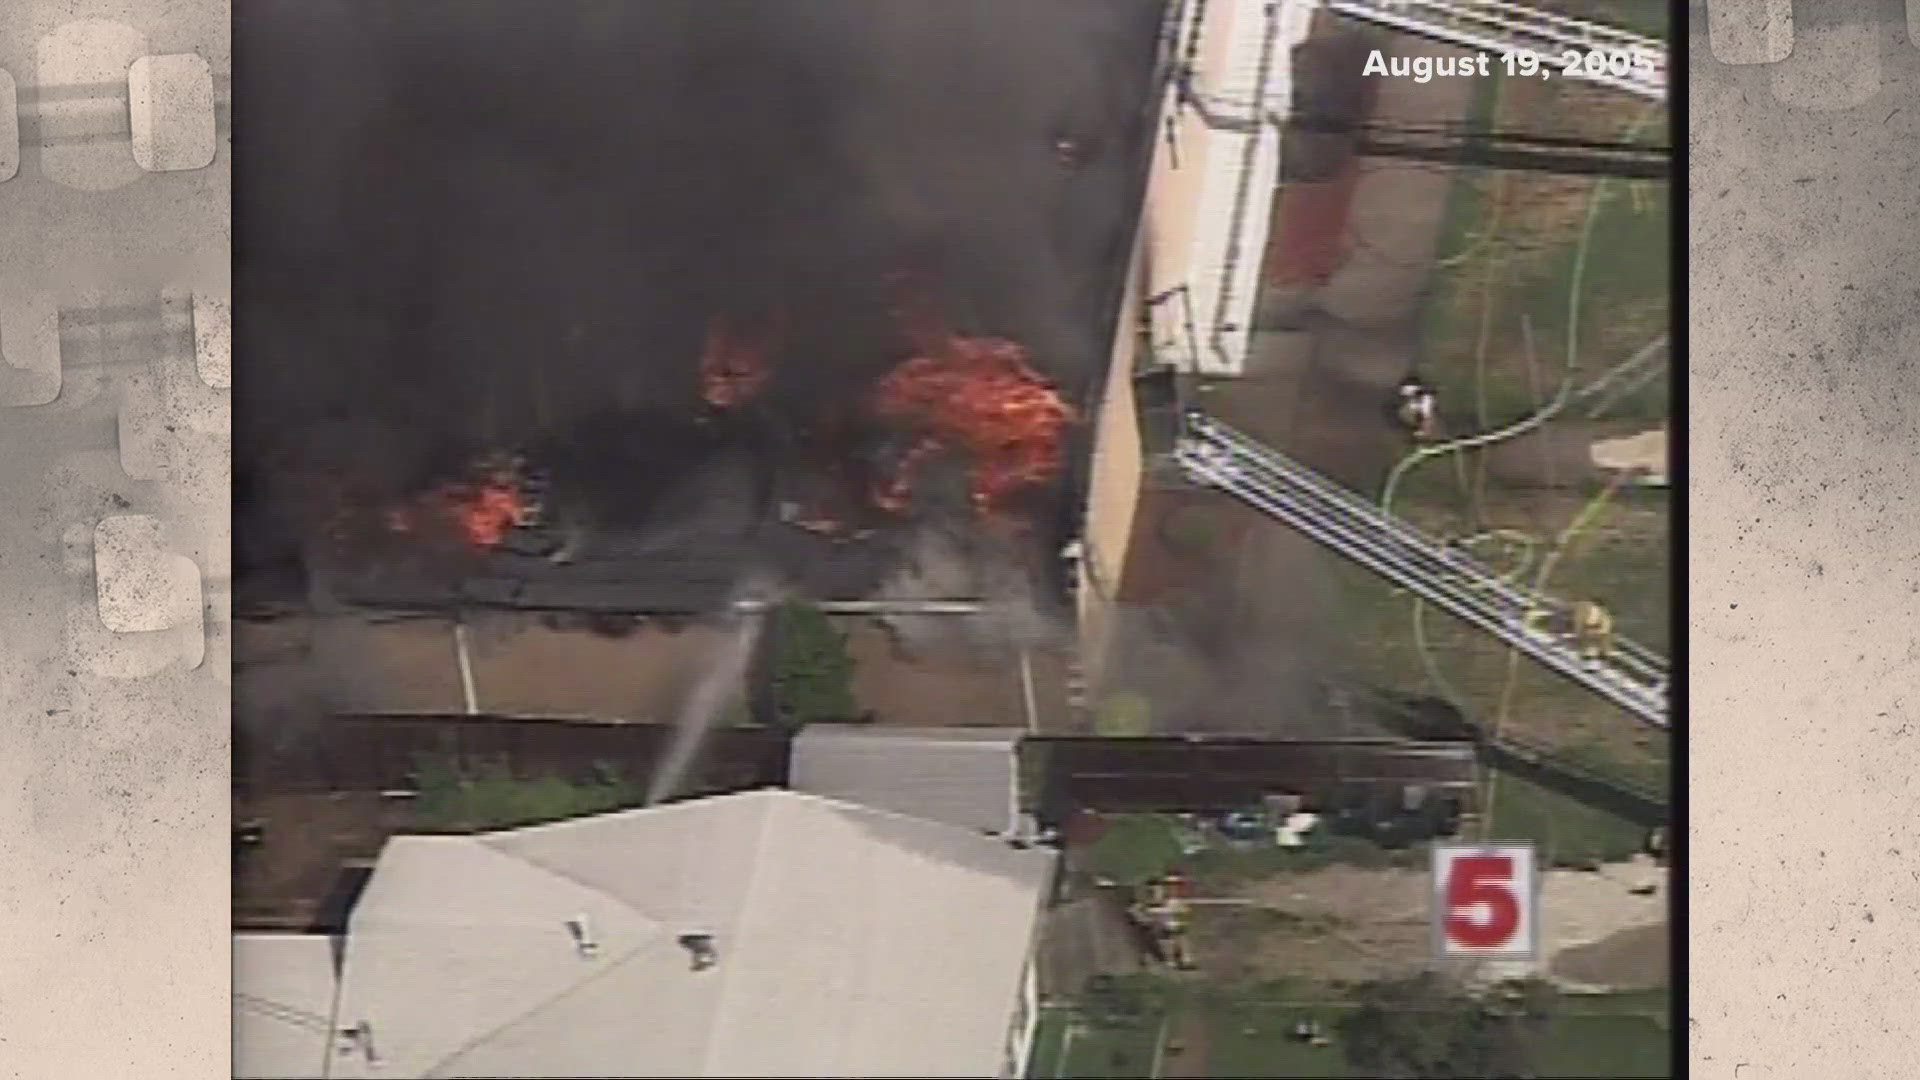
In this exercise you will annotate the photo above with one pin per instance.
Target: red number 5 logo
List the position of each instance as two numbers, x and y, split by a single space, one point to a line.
1482 912
1484 899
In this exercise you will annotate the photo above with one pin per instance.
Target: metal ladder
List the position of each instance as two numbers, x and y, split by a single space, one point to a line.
1215 455
1496 26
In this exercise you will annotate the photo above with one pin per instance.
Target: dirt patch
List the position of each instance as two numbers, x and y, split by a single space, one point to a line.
1342 924
1644 453
1635 959
1579 908
1083 938
1574 454
520 666
1309 238
959 684
284 878
1349 924
1179 536
532 669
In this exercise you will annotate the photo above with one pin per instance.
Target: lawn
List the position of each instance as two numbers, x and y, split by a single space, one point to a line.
1516 251
489 796
1247 1033
1567 833
1135 848
1066 1045
1508 277
1476 669
1649 17
1448 658
1605 1046
1623 297
1139 847
1252 1041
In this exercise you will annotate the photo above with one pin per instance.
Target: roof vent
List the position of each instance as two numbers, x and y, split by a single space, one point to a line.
700 948
582 932
360 1037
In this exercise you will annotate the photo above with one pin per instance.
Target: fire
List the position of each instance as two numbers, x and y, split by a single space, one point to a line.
734 365
481 509
979 396
485 512
492 502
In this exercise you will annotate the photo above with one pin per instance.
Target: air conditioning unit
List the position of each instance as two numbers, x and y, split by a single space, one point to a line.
583 939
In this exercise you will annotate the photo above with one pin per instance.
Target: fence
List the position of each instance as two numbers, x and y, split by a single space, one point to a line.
1203 774
383 752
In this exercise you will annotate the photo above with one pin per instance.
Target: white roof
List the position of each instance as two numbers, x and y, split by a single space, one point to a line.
850 942
283 987
962 776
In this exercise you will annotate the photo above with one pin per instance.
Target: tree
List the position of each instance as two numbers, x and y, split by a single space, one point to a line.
809 672
1424 1027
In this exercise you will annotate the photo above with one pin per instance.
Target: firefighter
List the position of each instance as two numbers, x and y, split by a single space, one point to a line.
1415 407
1066 150
1073 146
1592 631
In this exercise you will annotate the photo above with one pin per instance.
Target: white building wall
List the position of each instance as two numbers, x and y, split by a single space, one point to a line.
1026 1019
1210 201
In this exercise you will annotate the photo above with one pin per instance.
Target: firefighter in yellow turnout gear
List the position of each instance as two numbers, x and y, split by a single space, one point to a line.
1593 631
1588 623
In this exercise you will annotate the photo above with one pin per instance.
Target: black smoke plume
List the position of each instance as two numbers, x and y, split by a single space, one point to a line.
464 224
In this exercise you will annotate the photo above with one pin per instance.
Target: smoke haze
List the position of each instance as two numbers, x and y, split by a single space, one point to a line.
480 222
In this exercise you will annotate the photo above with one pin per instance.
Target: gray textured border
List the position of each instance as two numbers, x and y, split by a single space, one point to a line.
1805 537
1803 422
115 440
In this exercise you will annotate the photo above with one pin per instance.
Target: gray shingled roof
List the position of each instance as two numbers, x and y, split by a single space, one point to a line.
283 991
851 942
961 776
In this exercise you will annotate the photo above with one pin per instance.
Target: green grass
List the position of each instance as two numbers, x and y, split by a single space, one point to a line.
1248 1034
1605 1046
1139 847
1624 304
1474 665
1622 559
1135 848
1648 17
1465 202
1624 276
1043 1060
1567 833
1250 1040
1624 301
1221 869
1126 714
490 797
1067 1046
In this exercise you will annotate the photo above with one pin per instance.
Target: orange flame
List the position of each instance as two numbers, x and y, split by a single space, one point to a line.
734 365
979 396
485 512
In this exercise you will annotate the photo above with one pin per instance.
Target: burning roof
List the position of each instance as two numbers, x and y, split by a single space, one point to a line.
737 295
982 397
976 398
737 359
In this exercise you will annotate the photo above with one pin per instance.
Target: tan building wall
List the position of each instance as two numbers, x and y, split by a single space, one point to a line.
1168 254
1162 257
1113 488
